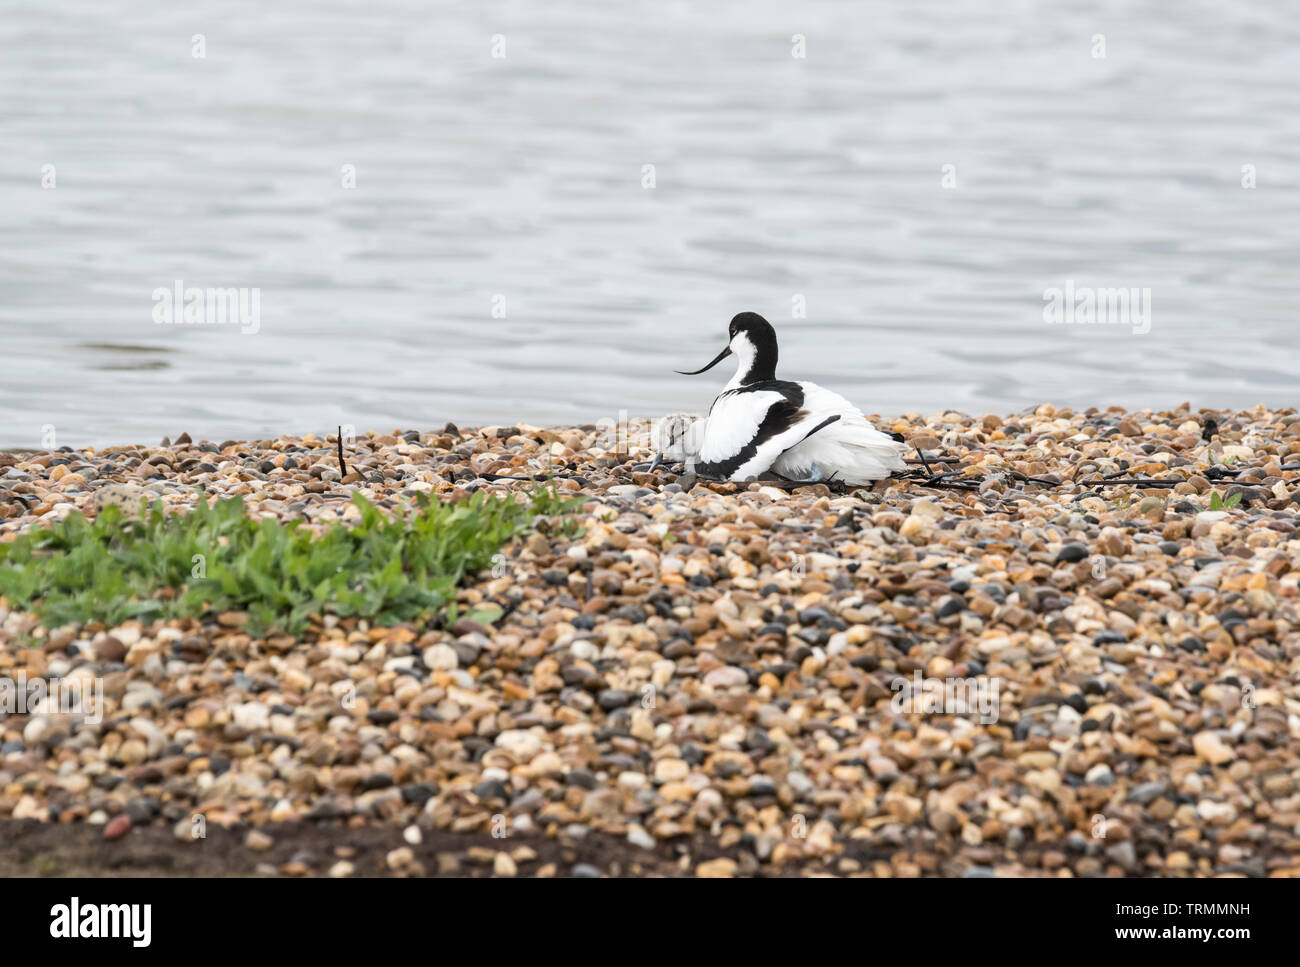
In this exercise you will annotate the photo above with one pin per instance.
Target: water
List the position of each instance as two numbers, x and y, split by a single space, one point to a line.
522 177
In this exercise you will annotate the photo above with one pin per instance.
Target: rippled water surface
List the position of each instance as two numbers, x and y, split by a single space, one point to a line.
776 179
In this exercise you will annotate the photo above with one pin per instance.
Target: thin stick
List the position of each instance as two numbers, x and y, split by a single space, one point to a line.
1133 481
343 467
536 477
939 482
920 453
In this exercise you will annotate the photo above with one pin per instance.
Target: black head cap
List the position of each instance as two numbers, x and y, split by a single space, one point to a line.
763 336
753 324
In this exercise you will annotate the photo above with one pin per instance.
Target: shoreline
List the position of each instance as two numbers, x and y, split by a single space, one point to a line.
703 679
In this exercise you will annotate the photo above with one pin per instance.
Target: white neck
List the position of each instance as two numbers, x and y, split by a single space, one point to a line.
743 350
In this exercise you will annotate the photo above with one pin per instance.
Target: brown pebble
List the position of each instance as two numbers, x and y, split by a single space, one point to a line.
110 649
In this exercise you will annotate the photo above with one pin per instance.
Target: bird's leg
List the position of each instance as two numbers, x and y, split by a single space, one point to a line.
814 476
650 466
647 466
774 479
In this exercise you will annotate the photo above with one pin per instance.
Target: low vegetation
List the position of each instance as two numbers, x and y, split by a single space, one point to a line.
383 567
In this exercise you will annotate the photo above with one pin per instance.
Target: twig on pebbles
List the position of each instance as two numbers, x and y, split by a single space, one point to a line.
1133 482
535 478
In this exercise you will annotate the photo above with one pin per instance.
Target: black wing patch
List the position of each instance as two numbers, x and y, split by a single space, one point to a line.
779 418
820 426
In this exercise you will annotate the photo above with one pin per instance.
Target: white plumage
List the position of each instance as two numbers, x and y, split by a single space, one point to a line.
761 424
851 449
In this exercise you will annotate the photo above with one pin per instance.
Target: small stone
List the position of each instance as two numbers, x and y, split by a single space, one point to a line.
1210 747
35 730
728 676
110 649
1071 553
1147 792
399 859
1100 775
671 770
721 868
1124 855
441 657
613 698
503 865
637 836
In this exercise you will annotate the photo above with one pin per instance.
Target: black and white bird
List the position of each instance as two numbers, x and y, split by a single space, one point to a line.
796 429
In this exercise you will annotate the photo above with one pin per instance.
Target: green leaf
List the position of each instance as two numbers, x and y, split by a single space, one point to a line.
485 615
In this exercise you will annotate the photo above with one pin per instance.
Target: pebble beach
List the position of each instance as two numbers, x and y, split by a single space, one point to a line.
706 678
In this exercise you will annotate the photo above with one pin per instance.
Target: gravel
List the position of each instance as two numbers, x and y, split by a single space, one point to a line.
720 663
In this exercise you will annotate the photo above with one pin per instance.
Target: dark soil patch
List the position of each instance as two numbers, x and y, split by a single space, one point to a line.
31 848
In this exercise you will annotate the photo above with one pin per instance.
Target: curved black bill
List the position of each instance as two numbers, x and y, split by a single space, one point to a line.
726 351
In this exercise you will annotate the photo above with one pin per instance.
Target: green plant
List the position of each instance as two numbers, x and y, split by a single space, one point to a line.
387 568
1218 503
